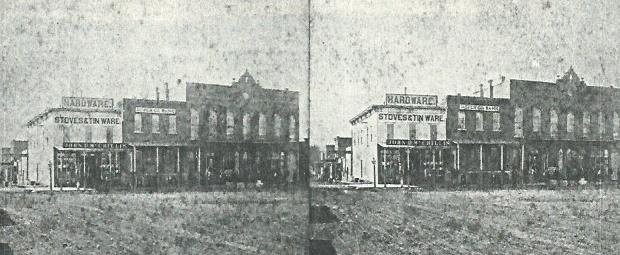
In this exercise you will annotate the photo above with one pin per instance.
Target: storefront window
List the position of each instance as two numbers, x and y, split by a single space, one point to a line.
194 119
518 122
479 121
586 123
496 121
390 131
461 122
137 126
172 124
553 119
536 120
570 123
155 124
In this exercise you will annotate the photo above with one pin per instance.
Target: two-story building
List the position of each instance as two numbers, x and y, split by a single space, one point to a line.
401 141
566 128
244 132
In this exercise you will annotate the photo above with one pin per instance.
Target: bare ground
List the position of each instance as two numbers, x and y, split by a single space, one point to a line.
472 222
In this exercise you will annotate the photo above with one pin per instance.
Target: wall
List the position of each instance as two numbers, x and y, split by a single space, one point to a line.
181 112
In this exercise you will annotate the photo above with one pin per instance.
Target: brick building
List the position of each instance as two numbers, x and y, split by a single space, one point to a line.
244 132
566 128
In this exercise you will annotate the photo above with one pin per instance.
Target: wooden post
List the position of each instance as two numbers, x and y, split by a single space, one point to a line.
384 165
135 167
501 165
408 167
61 171
522 162
480 179
198 176
458 162
107 179
434 170
84 170
157 167
179 178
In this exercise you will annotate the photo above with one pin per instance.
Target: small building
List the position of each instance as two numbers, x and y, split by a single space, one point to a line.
401 141
78 144
343 154
8 171
19 151
243 132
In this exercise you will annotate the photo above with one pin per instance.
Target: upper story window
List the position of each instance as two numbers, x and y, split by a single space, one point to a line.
155 123
412 131
262 126
586 124
570 123
616 125
212 123
66 133
277 126
601 124
246 125
230 123
172 124
553 121
518 122
479 121
536 120
433 131
194 124
109 134
137 123
293 128
367 136
496 121
461 121
88 134
390 130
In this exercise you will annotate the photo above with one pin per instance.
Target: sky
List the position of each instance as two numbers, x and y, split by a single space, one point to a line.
359 49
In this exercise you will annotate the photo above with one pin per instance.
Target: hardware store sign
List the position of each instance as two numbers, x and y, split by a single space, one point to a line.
87 103
411 100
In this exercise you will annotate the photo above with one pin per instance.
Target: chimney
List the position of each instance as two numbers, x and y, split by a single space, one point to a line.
167 91
157 94
490 88
481 90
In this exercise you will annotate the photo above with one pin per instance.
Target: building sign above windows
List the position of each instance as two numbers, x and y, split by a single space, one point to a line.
87 120
155 110
411 117
87 103
410 100
94 145
475 107
417 142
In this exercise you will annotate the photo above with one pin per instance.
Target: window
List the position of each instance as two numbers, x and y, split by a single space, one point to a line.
194 124
570 123
553 120
88 134
108 134
172 124
137 123
230 123
601 124
479 121
586 123
212 123
461 121
433 131
246 125
536 120
412 133
155 124
390 131
66 133
367 134
518 122
496 121
277 126
293 129
616 125
262 131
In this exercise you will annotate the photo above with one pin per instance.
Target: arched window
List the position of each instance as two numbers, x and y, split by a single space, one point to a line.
553 127
230 123
262 126
212 123
246 125
570 123
601 124
277 126
536 120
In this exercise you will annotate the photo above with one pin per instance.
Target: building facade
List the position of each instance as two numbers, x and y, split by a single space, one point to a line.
79 144
481 128
566 129
157 134
401 141
244 132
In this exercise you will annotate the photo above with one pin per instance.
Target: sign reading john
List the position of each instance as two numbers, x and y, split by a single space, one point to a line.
87 103
411 100
417 142
94 145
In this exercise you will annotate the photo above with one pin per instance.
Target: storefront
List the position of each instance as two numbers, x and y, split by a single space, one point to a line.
90 165
416 162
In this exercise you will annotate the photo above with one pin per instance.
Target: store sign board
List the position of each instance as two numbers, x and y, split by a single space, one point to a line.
403 142
94 145
87 103
412 117
411 100
475 107
155 110
87 120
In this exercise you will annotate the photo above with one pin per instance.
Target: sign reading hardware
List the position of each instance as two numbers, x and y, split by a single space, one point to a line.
410 100
155 110
87 120
87 102
411 117
417 142
94 145
475 107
